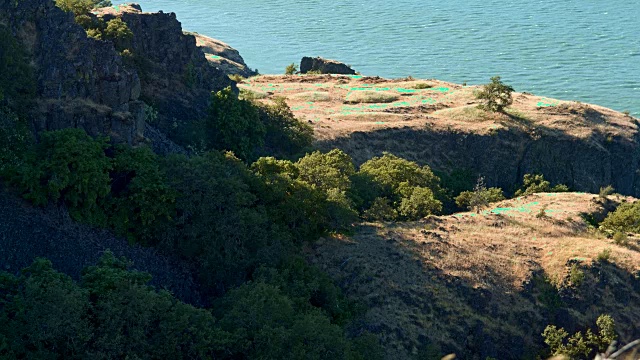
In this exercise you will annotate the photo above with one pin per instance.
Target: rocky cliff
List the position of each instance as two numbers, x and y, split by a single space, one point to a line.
176 78
223 56
81 82
438 124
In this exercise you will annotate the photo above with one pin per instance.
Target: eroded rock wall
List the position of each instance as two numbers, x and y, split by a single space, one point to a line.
81 82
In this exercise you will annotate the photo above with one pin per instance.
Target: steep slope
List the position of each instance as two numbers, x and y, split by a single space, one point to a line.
437 123
479 285
176 78
27 233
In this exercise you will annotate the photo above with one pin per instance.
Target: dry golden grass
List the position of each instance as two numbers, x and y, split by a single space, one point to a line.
443 106
468 268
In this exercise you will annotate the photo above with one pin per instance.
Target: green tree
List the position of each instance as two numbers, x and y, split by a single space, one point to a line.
140 199
579 345
43 314
285 136
67 166
413 191
626 218
234 124
535 183
327 171
290 69
119 33
496 95
479 197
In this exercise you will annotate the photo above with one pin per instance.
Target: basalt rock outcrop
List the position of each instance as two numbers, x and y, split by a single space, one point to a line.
81 82
176 78
223 56
324 66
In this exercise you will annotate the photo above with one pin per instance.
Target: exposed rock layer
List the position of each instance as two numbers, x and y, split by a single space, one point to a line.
324 66
81 82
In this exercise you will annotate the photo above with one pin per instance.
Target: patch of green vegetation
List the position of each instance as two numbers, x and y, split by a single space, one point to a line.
576 276
579 345
370 96
411 191
114 30
626 218
535 183
496 95
17 79
420 86
480 197
290 69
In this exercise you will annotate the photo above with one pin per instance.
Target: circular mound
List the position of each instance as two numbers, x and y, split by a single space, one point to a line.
370 96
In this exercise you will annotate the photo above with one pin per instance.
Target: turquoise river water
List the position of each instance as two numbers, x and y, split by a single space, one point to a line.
586 50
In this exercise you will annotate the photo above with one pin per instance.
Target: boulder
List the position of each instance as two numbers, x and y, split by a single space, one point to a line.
324 66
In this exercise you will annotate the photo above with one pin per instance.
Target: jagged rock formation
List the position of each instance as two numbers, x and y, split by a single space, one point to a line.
176 78
324 66
81 82
223 56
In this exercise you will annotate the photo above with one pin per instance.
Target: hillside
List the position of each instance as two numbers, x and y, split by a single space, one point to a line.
437 123
291 217
479 285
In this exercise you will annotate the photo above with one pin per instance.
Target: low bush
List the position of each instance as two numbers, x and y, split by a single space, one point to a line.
579 345
480 197
370 96
626 218
535 183
413 191
290 69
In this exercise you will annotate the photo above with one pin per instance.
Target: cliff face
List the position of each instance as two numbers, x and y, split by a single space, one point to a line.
176 78
81 82
503 157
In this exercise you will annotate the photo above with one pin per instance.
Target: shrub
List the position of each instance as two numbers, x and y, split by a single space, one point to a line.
579 346
405 184
620 238
576 275
17 79
420 86
327 171
370 96
290 69
604 255
535 183
285 136
119 33
605 191
626 218
67 166
111 313
140 198
479 197
233 124
496 95
418 202
14 141
380 209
